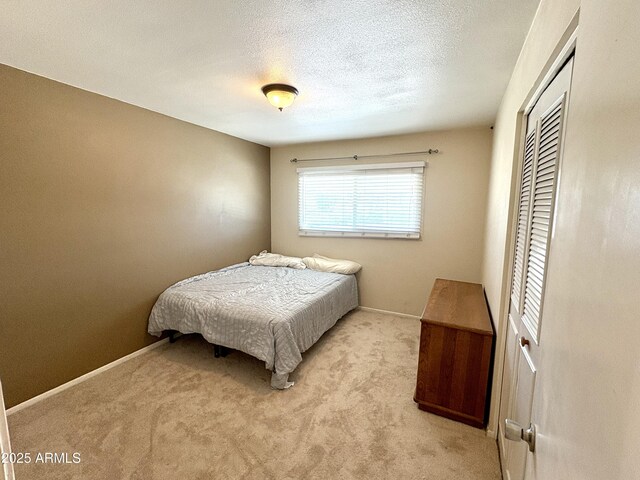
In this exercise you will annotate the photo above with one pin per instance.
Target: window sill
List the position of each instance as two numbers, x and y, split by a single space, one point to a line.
396 236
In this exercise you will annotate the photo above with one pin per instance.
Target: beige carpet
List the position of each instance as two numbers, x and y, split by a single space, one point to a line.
179 413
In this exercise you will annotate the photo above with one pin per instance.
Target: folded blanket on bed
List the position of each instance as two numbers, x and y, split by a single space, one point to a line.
267 259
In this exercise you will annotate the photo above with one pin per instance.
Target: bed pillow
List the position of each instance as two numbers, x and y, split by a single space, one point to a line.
331 265
267 259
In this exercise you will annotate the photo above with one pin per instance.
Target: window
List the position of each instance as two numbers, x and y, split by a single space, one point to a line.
379 200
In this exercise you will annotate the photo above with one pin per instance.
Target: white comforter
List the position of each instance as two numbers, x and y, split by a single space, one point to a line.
271 313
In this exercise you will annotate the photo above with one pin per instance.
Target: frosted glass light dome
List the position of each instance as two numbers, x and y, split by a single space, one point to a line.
280 95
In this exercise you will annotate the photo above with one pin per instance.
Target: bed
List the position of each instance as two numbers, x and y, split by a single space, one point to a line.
272 313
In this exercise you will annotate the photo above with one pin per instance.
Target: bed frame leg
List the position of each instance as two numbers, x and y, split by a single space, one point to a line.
220 351
172 336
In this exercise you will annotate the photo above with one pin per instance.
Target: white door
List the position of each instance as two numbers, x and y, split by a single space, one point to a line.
5 445
540 168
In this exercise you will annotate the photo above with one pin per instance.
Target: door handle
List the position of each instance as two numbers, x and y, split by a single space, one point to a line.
514 431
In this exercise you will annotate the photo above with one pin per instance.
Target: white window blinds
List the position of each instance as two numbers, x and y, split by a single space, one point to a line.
379 200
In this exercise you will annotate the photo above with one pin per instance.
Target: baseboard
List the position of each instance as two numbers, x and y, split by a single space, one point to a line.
376 310
492 434
82 378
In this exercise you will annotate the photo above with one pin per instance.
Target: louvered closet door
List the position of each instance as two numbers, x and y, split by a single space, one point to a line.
542 202
536 203
523 221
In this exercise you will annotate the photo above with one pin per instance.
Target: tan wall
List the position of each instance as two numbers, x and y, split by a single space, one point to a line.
104 205
588 385
397 275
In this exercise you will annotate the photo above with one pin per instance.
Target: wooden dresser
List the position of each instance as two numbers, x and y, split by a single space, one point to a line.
456 348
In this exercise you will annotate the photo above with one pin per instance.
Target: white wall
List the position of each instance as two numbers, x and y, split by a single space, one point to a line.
588 386
397 275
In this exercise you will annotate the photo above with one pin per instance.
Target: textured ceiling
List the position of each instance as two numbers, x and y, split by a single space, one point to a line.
363 67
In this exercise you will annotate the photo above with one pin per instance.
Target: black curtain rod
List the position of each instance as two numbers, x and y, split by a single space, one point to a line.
431 151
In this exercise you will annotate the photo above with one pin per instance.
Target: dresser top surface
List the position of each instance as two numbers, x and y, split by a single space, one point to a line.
458 305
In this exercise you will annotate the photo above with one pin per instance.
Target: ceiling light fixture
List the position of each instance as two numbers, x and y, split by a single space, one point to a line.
280 95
